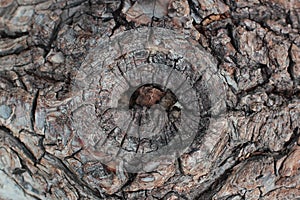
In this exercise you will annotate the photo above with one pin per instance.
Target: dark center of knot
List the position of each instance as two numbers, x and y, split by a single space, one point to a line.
150 94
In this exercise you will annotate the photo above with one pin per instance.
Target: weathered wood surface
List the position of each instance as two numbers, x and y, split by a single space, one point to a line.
224 83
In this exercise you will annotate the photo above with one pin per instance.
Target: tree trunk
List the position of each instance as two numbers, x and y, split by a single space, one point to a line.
162 99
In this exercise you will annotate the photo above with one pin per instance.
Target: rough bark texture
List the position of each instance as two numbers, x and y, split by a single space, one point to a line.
230 113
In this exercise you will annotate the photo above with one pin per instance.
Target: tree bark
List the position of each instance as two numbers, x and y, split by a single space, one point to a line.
162 99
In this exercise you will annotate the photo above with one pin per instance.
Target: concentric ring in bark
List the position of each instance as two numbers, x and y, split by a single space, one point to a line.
142 99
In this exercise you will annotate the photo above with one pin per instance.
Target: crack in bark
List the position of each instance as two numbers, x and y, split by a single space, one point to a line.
15 35
216 185
16 142
33 109
83 185
120 19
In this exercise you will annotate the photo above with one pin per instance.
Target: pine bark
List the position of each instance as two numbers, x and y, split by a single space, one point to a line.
64 63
